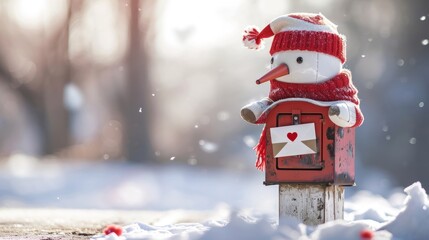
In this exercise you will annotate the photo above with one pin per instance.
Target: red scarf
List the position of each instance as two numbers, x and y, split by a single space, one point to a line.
337 88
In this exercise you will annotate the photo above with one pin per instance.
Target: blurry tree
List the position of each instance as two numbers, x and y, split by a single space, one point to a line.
55 74
137 142
46 46
43 93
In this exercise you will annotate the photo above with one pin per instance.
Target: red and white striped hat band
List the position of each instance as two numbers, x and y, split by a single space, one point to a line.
300 31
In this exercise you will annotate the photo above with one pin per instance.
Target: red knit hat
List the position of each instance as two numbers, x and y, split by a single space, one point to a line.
299 31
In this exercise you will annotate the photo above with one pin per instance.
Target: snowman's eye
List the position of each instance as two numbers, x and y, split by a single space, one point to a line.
299 60
272 60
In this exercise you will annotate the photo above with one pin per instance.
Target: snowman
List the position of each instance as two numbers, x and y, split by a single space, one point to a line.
307 61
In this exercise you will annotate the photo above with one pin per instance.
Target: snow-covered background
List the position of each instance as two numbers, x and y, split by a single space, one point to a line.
26 181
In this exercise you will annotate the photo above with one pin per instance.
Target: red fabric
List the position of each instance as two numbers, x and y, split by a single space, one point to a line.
338 88
344 89
324 42
254 34
261 150
315 19
251 34
265 33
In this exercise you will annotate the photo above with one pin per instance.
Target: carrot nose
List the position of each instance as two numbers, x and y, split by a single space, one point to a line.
274 73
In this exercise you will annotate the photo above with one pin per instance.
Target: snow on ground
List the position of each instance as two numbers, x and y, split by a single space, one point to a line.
247 209
109 185
376 221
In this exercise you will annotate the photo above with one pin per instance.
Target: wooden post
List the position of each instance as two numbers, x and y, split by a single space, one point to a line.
138 144
312 204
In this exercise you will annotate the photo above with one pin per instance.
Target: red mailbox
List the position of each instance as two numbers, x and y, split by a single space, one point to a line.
333 162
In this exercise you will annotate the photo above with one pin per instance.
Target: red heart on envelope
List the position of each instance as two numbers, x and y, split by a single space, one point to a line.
292 136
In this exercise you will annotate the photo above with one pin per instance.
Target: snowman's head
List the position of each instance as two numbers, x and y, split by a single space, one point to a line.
306 48
305 66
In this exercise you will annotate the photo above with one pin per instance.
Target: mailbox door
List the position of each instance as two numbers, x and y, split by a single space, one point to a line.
312 168
307 161
332 164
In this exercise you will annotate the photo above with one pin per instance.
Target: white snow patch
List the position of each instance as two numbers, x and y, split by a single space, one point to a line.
367 213
413 221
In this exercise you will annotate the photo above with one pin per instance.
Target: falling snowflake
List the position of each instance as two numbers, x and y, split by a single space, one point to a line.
385 128
400 62
249 141
425 42
388 137
140 110
106 156
153 94
413 140
422 18
172 158
196 126
363 56
421 104
208 147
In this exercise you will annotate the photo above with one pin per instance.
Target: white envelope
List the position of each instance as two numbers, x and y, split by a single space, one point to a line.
294 140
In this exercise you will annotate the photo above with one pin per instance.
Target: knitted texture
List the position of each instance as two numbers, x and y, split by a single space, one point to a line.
338 88
324 42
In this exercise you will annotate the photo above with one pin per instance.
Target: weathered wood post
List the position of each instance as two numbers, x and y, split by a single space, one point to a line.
313 204
308 144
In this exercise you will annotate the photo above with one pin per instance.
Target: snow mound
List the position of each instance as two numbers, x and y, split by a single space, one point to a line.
341 230
413 221
144 231
374 219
